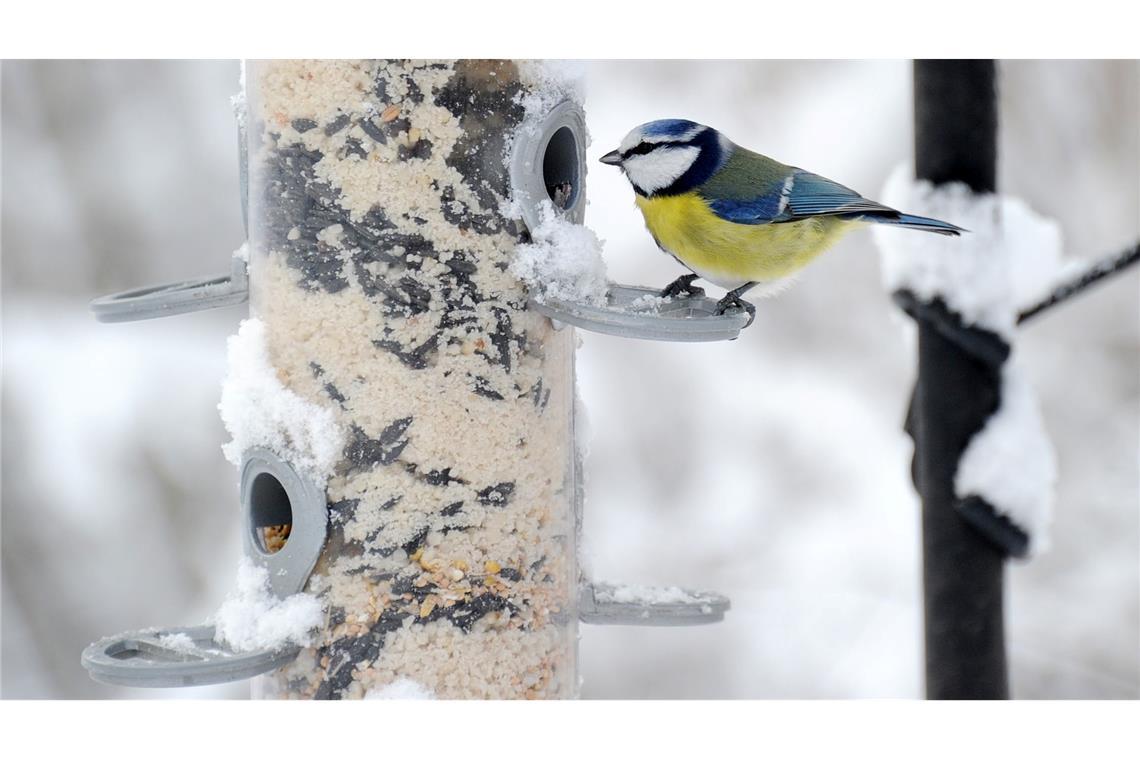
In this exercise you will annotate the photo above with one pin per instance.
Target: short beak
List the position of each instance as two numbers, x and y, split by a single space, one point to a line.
612 158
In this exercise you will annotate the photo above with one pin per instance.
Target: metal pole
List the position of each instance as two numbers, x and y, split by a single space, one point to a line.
955 117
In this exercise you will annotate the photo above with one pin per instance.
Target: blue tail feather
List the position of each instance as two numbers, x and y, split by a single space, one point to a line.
912 222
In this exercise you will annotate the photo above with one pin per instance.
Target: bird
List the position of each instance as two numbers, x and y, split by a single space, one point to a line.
736 218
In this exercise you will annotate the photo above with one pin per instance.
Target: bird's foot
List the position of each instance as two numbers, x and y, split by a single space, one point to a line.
734 301
683 286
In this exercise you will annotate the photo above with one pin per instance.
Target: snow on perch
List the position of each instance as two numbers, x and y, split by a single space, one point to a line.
251 618
563 261
178 642
1009 259
646 595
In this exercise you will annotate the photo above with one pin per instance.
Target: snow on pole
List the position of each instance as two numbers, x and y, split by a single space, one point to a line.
380 251
971 289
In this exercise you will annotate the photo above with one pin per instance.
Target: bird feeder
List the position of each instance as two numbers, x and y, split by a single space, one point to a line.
441 535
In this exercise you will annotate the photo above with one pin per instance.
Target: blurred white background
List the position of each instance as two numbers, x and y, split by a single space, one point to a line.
772 468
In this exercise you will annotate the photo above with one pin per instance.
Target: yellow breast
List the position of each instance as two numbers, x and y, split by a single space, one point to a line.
731 254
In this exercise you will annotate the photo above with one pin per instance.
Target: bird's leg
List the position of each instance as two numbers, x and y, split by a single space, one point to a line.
733 299
683 286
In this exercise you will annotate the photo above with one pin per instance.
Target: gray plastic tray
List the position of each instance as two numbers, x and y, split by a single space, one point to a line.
144 659
156 301
681 318
597 606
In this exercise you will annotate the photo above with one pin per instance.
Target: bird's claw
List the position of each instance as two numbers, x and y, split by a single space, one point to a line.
733 301
683 286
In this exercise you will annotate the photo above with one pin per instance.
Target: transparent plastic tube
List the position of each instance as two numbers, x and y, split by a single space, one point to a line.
378 265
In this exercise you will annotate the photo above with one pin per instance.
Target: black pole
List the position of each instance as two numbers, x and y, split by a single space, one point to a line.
958 387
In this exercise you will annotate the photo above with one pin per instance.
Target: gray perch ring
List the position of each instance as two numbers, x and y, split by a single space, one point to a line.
169 300
614 604
286 520
172 657
689 319
548 162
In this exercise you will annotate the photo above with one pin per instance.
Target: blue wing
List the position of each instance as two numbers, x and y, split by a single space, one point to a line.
801 196
763 209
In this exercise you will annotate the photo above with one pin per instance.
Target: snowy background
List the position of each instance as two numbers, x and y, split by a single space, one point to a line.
772 468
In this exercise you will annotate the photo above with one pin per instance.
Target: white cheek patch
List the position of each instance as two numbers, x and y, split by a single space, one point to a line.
660 168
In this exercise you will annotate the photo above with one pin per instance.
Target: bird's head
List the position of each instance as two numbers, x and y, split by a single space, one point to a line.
669 156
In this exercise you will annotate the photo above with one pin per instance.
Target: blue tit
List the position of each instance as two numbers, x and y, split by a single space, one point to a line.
736 218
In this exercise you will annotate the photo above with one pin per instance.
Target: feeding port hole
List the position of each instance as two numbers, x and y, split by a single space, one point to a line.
560 168
285 517
270 513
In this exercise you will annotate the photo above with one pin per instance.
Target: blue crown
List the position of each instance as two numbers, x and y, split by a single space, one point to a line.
668 127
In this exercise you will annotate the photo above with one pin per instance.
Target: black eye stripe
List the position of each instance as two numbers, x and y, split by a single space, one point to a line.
642 148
